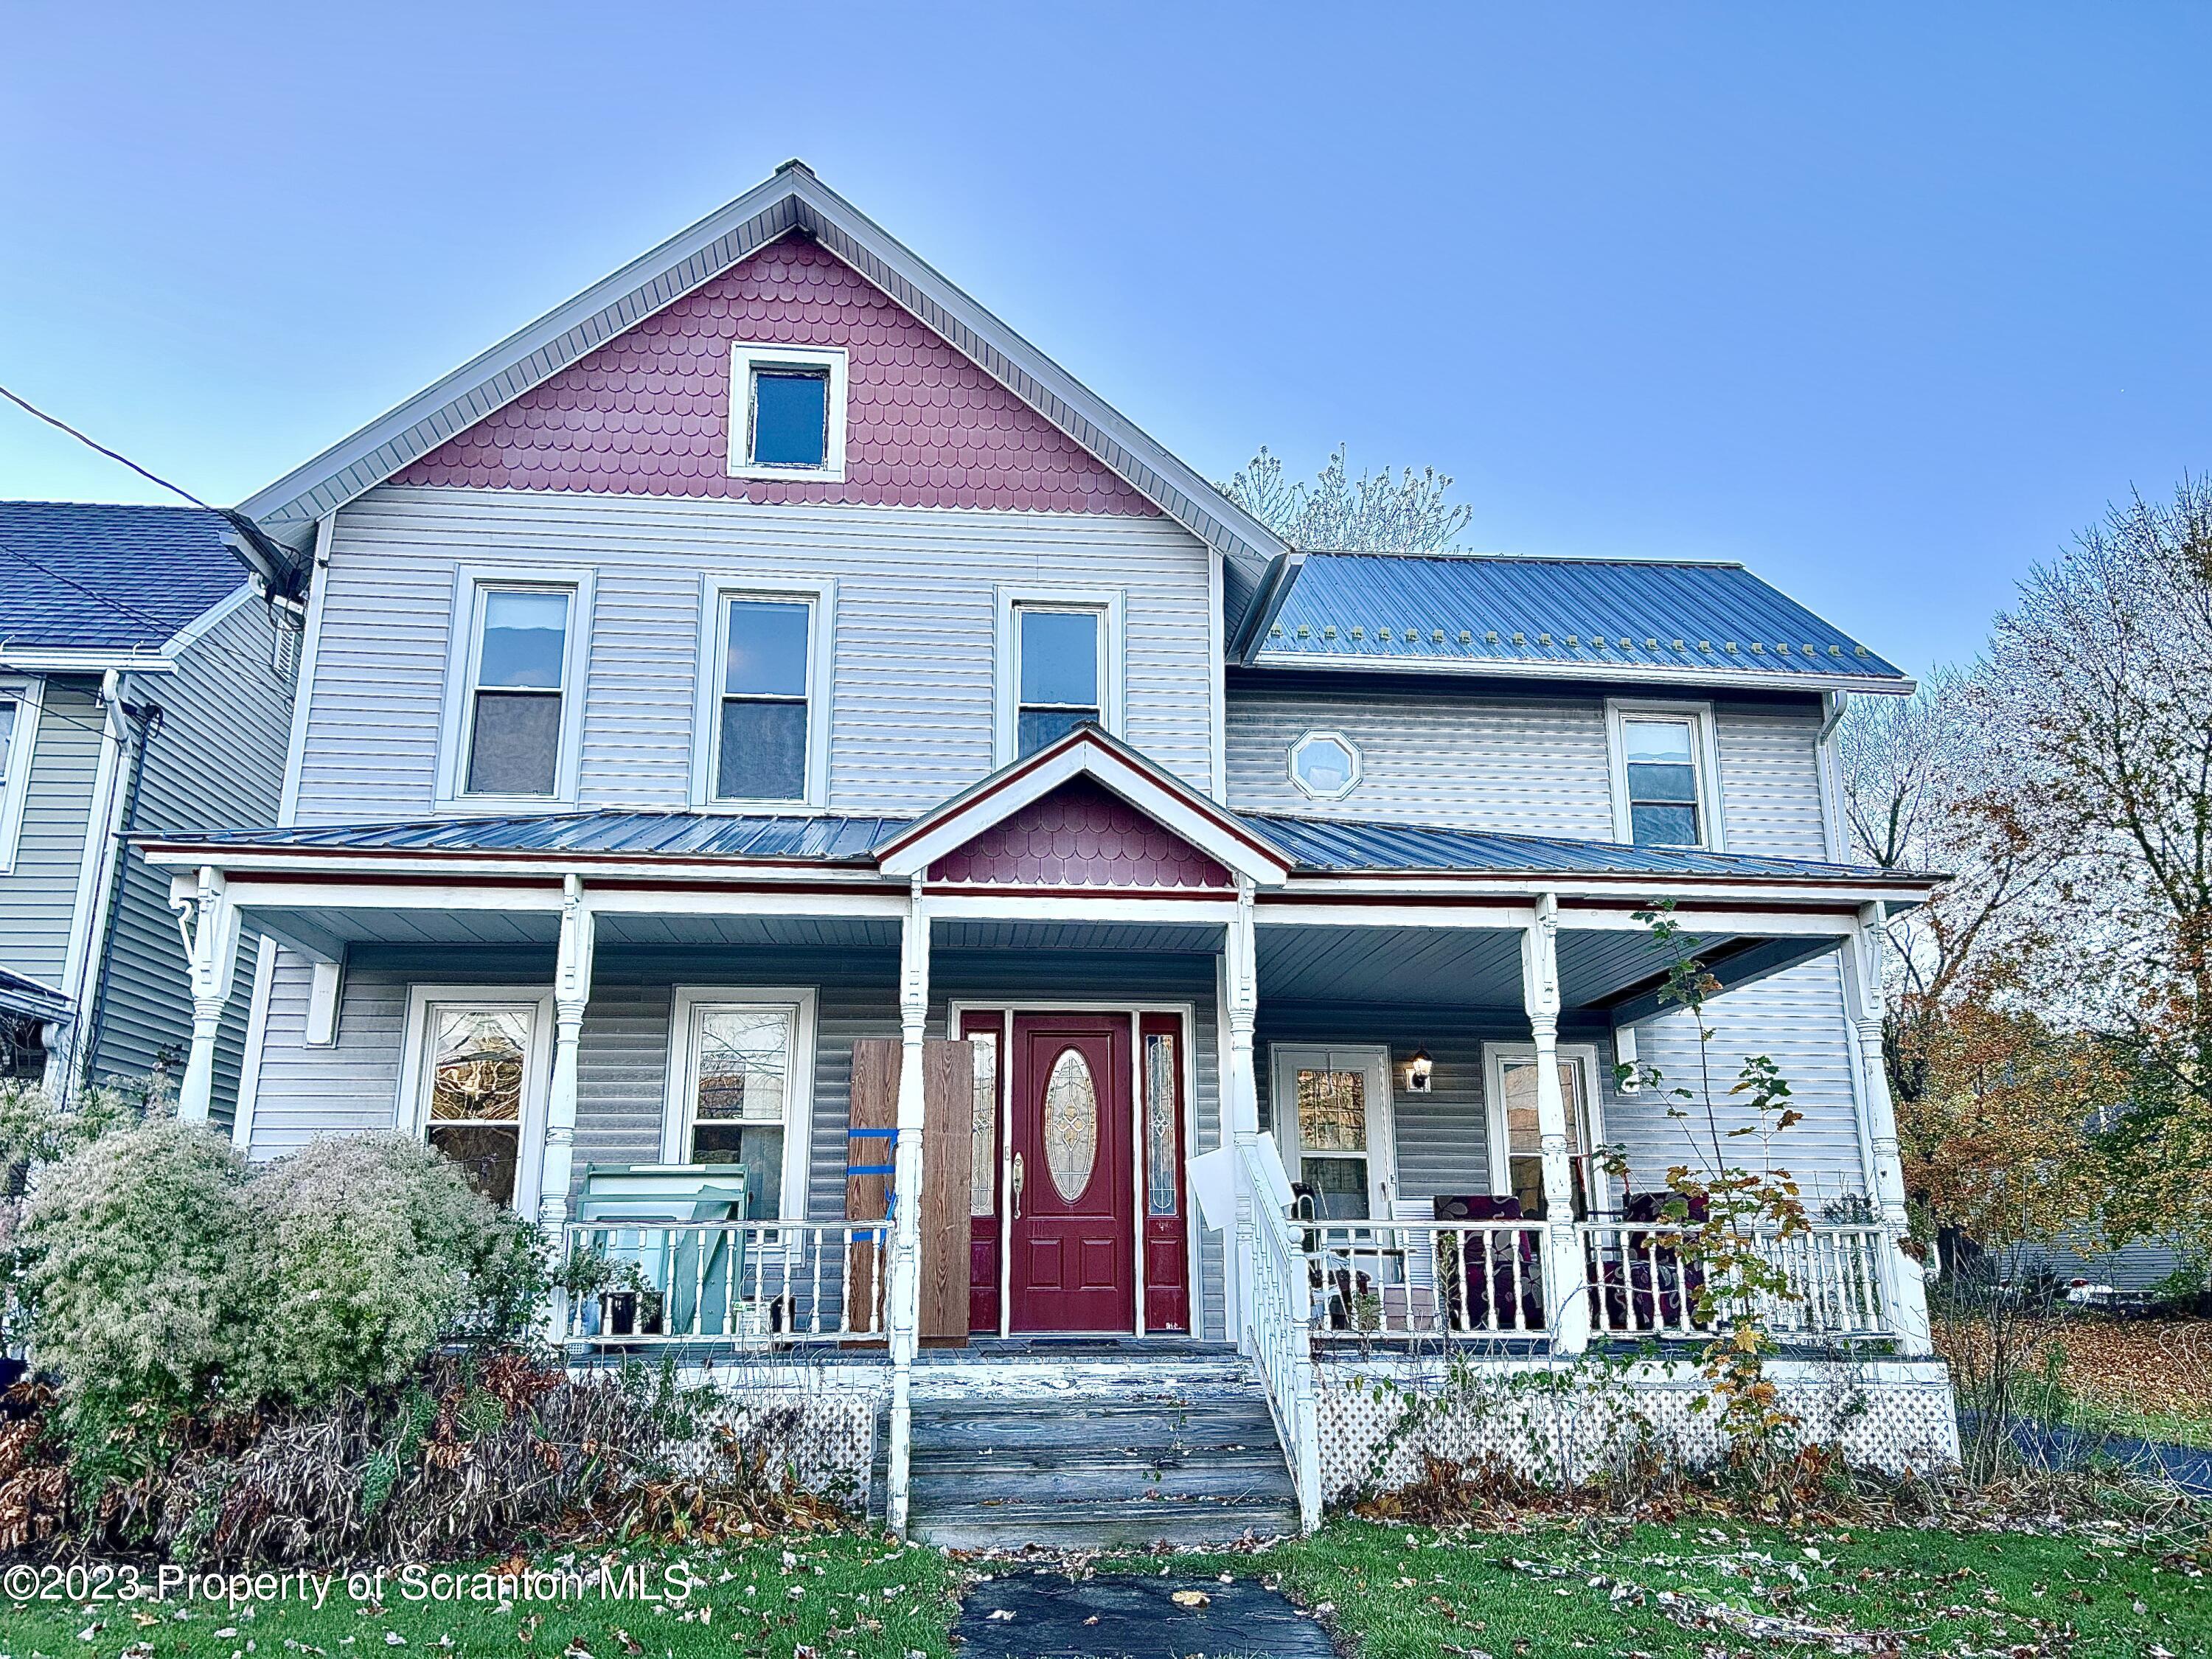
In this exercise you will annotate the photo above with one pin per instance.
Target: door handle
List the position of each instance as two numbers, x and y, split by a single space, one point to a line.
1018 1178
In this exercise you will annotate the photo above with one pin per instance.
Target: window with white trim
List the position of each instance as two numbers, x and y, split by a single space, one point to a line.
765 665
515 729
1663 779
20 701
786 411
1325 765
1060 669
474 1091
1516 1143
742 1066
1332 1123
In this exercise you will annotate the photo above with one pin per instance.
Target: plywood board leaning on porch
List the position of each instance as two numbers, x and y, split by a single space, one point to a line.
946 1083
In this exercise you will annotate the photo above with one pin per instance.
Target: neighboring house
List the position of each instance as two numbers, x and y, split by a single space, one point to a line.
143 686
768 656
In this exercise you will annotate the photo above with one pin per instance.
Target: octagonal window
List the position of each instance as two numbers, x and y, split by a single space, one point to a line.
1325 765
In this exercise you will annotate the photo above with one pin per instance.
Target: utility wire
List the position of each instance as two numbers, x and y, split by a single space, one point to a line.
56 421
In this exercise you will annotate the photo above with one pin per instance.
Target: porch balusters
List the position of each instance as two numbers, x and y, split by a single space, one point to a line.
209 921
1563 1256
572 991
904 1312
1906 1291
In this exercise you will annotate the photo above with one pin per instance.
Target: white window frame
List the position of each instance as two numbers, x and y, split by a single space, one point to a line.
1285 1061
1495 1055
748 355
464 649
682 1093
28 694
1291 764
1110 604
1705 748
411 1107
716 593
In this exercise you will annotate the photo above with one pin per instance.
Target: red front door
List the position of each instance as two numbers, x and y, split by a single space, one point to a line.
1074 1232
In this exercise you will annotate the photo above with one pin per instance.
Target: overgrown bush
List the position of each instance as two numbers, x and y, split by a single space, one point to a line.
127 1263
362 1253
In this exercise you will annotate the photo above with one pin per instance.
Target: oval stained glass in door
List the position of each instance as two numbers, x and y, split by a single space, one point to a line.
1070 1124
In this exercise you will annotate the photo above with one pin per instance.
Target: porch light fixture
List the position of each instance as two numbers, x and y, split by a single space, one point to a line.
1418 1070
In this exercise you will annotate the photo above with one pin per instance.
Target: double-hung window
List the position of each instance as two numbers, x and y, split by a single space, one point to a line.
1063 672
762 718
516 688
476 1089
1662 783
1516 1145
1331 1120
741 1070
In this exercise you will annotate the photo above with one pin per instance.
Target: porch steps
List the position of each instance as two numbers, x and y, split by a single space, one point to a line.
1172 1448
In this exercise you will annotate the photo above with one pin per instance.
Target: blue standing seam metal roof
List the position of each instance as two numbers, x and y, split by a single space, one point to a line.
98 576
1315 845
1497 611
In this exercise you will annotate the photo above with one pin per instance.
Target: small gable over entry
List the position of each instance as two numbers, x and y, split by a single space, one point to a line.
1088 812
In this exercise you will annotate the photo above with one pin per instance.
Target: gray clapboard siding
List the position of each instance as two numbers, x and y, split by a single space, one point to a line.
1771 780
215 758
622 1065
1534 768
38 897
916 623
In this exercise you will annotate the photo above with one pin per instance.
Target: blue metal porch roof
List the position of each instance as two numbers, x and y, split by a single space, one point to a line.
1604 618
1315 845
98 576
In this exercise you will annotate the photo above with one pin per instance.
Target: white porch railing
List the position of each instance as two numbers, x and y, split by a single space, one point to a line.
1277 1322
1639 1285
756 1284
1406 1280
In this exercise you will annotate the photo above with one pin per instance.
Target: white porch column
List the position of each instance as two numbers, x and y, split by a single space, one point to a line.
572 991
1563 1256
1906 1283
209 921
904 1312
1240 1107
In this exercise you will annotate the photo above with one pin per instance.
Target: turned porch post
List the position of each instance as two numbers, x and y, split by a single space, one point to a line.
1906 1285
904 1313
209 921
1242 1107
1563 1257
572 990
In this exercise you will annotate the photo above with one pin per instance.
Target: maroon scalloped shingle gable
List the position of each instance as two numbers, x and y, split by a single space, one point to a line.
648 414
1081 835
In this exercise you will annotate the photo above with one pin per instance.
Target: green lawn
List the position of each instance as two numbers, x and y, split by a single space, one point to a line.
838 1595
1401 1594
1387 1591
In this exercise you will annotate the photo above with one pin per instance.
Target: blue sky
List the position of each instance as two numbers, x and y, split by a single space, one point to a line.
1885 301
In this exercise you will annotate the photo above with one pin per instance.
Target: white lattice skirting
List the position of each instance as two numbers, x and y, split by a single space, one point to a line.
1561 1423
826 1436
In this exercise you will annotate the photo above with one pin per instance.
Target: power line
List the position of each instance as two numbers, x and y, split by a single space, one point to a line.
32 410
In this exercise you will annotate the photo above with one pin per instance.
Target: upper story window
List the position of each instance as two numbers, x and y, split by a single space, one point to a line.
515 703
1059 664
1662 776
1325 765
19 725
763 713
786 412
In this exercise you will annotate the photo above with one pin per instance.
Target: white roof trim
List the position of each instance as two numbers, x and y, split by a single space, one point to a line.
1084 754
37 660
792 199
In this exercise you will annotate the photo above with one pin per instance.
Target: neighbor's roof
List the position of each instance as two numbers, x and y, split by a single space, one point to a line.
1610 619
792 199
22 995
83 576
1312 846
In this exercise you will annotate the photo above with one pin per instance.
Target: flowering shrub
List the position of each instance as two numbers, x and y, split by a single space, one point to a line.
127 1261
363 1252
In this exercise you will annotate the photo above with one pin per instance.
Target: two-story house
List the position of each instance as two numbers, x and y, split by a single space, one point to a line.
144 686
768 735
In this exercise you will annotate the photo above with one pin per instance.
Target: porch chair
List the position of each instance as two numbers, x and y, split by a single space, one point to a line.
1469 1293
698 1298
1646 1290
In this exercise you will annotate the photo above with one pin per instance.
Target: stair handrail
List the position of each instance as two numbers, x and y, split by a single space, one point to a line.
1278 1321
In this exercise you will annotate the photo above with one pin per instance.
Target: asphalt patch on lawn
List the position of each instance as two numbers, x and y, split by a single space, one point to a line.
1119 1617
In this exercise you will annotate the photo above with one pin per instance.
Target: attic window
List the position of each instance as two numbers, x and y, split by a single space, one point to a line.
786 412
